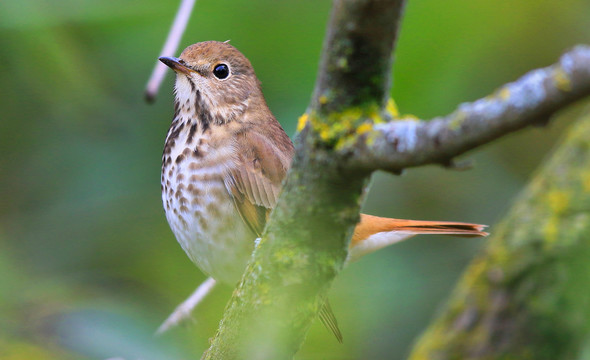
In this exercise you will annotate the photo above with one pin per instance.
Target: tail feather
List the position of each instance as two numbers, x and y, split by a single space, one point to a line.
373 233
329 320
442 228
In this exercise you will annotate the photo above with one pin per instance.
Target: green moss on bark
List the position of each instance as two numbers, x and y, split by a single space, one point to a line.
527 295
303 249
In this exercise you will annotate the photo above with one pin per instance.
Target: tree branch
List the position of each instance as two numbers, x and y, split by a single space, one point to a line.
342 139
526 296
286 281
356 62
530 100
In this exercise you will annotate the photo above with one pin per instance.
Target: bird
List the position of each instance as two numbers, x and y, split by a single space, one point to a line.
224 160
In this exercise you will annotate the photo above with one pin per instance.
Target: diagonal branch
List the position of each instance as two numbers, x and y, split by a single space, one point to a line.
356 62
526 296
290 272
292 268
530 100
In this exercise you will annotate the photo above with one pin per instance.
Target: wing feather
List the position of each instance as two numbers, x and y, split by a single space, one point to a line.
256 179
255 182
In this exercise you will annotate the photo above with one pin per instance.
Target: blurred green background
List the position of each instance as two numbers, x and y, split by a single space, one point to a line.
88 265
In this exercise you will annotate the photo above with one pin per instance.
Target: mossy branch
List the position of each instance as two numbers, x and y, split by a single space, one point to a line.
355 69
344 136
306 238
531 100
527 295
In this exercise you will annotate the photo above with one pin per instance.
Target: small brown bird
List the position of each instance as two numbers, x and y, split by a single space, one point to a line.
223 163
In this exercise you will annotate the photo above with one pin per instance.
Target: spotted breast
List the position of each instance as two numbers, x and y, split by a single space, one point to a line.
198 206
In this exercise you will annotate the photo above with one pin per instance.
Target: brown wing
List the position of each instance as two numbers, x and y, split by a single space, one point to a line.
255 184
253 215
255 181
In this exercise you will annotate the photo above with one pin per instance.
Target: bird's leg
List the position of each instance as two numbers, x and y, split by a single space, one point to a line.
184 310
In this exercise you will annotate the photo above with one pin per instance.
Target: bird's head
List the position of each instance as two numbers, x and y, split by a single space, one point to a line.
215 77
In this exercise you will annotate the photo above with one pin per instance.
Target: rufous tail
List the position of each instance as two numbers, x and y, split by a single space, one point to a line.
373 233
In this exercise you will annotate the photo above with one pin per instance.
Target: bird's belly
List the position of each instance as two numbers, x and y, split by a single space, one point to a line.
206 223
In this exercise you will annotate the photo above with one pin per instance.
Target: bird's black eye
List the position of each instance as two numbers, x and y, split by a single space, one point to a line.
221 71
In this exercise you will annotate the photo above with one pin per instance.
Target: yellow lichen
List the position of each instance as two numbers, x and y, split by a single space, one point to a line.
562 80
354 113
410 117
345 142
551 230
376 117
302 122
325 134
558 201
342 129
457 120
363 128
504 93
391 108
323 99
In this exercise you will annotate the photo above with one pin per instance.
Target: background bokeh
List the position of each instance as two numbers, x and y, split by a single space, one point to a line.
88 266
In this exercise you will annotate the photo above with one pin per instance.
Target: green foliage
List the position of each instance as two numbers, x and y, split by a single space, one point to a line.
89 266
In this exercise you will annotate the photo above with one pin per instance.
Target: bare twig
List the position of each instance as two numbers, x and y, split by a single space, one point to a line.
184 310
170 47
530 100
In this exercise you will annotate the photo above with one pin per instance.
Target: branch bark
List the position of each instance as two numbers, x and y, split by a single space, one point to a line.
527 295
530 100
355 68
343 137
292 268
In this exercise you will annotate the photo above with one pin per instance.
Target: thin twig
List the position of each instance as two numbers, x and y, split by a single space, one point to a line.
184 310
170 47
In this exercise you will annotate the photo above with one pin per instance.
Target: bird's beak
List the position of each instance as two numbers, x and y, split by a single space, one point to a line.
175 64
